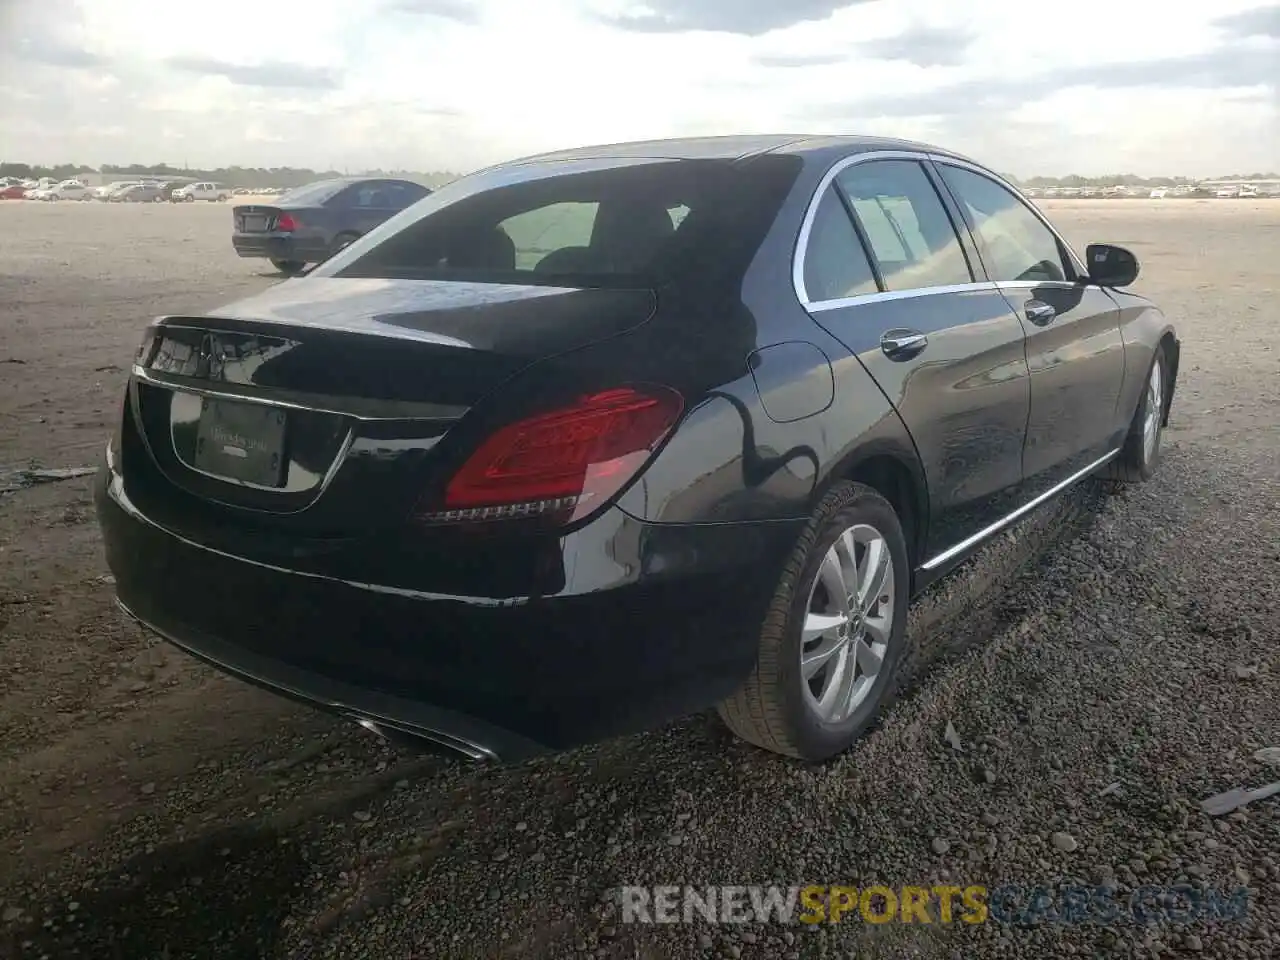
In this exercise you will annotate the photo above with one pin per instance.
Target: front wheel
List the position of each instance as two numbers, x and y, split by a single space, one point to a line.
289 268
189 199
1140 454
834 633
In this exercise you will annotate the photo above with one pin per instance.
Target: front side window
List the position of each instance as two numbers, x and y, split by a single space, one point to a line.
835 263
1016 244
911 235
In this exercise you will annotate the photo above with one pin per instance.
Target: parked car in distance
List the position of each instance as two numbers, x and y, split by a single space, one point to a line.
587 442
191 192
68 190
105 192
15 191
140 193
310 223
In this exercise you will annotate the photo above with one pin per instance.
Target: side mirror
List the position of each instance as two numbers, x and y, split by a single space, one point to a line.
1110 266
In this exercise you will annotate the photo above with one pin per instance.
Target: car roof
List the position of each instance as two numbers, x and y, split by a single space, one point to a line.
363 180
736 147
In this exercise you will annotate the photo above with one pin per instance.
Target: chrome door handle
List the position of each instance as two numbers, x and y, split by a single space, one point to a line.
1039 313
902 344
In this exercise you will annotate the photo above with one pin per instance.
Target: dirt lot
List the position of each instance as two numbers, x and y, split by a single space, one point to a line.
150 808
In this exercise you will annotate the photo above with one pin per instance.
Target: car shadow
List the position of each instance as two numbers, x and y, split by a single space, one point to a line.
221 894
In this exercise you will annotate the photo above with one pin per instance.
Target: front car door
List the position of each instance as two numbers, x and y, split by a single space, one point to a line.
887 272
1074 348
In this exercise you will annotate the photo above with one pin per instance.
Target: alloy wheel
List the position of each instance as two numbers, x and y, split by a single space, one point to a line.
1154 408
848 623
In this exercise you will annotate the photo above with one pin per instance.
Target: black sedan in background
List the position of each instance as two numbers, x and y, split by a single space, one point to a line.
589 441
311 223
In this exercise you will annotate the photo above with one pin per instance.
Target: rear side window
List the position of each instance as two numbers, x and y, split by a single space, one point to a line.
911 235
835 263
312 193
1016 244
548 229
598 222
381 195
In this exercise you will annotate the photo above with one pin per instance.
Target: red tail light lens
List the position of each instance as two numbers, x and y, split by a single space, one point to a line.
286 223
562 464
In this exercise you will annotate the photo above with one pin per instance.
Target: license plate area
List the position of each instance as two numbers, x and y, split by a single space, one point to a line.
244 442
255 224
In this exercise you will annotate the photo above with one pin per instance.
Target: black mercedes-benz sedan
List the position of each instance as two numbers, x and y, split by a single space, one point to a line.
588 441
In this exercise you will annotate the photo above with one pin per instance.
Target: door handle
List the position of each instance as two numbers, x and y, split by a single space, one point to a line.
902 344
1039 312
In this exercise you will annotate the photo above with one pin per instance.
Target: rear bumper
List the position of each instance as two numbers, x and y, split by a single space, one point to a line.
279 246
655 622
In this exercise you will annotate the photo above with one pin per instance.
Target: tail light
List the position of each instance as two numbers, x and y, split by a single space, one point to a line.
562 464
286 223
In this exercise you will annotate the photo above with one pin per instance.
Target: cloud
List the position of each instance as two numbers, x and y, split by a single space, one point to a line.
1218 69
787 60
750 18
463 11
924 46
48 51
460 84
267 74
1258 22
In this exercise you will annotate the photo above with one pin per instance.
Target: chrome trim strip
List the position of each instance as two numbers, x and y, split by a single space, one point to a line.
865 298
1033 284
969 542
187 385
806 226
116 492
942 159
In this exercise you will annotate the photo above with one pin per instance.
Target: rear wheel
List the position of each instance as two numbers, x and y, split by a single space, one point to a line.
343 240
289 267
834 633
1141 451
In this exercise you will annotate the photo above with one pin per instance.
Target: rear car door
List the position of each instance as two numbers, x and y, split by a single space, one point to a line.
369 203
1074 348
888 274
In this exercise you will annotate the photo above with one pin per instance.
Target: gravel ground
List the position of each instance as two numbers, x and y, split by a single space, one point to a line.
1105 668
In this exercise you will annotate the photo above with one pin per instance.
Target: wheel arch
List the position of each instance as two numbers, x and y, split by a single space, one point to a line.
1172 348
897 476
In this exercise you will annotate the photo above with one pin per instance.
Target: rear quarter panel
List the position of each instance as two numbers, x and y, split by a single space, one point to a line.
729 461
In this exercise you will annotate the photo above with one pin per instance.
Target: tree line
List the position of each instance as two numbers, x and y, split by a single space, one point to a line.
1133 180
250 177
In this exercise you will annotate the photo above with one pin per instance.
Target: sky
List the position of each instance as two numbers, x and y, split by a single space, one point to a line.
1102 87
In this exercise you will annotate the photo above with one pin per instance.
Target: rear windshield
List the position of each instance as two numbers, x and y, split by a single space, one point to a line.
312 193
605 223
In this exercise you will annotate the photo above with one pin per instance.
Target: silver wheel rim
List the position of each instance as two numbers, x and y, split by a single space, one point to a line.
848 623
1151 423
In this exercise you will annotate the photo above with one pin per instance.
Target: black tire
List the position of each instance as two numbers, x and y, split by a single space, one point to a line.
770 710
289 268
343 240
1135 463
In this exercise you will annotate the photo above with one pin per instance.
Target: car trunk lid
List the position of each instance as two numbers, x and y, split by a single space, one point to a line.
319 404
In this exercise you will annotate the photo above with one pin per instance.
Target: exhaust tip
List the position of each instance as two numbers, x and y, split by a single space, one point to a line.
430 741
